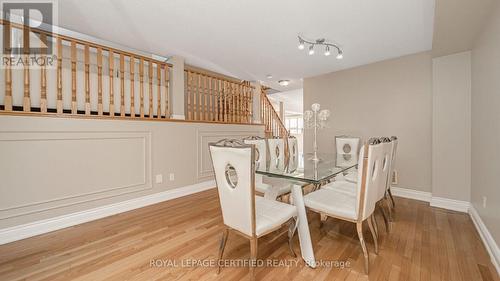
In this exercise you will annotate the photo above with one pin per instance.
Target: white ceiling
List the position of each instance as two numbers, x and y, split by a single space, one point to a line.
292 100
250 39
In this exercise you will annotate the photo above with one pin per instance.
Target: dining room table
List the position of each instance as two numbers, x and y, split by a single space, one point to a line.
306 173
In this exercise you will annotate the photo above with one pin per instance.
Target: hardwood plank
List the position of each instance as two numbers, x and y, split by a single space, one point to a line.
425 244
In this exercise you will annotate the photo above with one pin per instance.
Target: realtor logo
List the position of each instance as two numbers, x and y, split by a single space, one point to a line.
28 33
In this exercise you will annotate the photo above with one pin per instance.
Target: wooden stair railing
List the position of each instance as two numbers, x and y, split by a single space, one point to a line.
86 79
212 97
274 126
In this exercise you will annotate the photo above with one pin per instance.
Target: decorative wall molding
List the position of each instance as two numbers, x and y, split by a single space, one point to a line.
204 166
19 232
450 204
488 241
60 139
412 194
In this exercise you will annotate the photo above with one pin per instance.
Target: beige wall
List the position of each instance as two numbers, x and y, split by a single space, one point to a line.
55 166
387 98
451 127
485 124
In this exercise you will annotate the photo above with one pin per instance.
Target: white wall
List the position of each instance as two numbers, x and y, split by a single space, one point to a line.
451 118
392 97
56 166
486 125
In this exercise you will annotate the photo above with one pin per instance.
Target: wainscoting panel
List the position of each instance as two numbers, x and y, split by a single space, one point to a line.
204 168
77 166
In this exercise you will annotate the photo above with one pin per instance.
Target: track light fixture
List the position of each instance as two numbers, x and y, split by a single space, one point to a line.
320 42
311 50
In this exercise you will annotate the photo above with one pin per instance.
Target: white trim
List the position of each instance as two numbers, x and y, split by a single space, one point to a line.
19 232
178 116
488 241
411 194
450 204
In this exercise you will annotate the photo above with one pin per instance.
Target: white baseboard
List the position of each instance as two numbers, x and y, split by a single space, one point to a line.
19 232
488 241
450 204
411 194
178 116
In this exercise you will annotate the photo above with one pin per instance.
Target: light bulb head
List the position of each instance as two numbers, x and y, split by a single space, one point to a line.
301 46
340 55
284 82
327 50
311 50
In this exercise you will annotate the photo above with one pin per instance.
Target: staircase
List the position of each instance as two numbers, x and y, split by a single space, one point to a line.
274 126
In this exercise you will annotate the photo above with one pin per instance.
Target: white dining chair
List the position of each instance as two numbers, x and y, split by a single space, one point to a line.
279 187
347 150
358 207
293 154
276 154
242 212
394 142
347 186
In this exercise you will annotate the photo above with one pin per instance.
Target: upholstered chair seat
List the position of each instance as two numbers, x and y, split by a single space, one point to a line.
342 186
334 202
270 215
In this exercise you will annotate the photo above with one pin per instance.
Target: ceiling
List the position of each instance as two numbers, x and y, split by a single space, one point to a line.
292 101
452 35
250 39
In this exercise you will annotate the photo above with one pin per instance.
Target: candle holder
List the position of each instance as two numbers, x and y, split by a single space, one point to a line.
316 119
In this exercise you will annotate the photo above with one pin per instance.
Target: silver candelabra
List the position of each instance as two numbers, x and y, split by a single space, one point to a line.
316 119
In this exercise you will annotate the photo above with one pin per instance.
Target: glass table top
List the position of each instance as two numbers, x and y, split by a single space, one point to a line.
310 171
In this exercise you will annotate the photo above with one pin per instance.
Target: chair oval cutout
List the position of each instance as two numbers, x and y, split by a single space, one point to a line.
347 148
257 158
231 176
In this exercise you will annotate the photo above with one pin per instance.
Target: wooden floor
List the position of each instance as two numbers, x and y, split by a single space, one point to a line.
425 244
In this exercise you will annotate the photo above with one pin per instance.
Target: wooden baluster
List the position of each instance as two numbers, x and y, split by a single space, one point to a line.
111 83
87 80
158 94
43 76
200 98
205 97
99 82
220 92
132 87
215 90
195 96
189 78
240 104
250 105
224 101
59 104
141 89
74 107
233 103
150 81
122 85
26 51
167 92
210 98
7 102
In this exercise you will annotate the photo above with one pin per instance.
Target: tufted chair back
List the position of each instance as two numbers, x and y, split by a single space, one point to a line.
233 164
